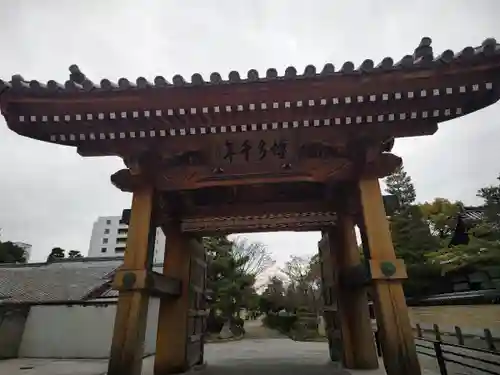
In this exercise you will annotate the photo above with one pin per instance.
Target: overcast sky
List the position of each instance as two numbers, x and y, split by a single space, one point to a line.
50 196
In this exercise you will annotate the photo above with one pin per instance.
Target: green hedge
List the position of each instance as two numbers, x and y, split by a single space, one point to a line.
283 323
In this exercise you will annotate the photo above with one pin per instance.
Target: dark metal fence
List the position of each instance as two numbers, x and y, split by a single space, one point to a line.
476 359
450 355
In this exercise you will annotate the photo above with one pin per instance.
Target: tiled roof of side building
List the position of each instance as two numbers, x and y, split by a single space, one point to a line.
64 281
422 58
472 213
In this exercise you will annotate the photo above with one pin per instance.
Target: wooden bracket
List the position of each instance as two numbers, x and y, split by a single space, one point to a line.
393 269
154 283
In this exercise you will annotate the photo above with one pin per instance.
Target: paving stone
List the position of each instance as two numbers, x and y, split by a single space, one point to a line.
273 356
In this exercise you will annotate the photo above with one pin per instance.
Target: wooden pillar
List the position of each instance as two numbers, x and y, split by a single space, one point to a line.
127 346
357 336
396 335
329 293
172 334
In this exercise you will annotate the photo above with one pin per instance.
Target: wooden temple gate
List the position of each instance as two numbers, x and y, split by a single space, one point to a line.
292 152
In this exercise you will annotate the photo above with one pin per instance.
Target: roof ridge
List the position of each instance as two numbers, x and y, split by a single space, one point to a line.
422 57
474 208
59 261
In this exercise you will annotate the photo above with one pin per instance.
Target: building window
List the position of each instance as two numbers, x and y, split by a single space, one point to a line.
122 230
121 240
119 249
103 250
108 222
104 240
106 231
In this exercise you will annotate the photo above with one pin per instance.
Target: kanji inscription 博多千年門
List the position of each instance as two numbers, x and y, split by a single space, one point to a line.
248 150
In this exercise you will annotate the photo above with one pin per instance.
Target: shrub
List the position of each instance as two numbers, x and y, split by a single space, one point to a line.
237 326
280 322
303 331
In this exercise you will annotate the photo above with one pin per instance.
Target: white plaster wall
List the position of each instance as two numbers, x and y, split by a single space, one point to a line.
77 331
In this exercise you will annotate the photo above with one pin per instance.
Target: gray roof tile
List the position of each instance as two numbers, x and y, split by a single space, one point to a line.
54 282
422 57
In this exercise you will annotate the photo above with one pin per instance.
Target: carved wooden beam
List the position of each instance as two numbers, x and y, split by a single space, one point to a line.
160 285
166 215
258 209
154 283
270 222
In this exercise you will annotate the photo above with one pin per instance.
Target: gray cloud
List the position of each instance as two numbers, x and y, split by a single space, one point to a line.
49 196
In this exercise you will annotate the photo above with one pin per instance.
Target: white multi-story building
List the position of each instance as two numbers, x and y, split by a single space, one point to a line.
109 238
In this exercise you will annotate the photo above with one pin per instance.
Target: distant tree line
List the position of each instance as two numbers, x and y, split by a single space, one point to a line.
57 253
12 253
421 234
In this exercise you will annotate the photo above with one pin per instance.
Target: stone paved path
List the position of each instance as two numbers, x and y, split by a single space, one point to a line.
270 356
254 329
249 356
273 356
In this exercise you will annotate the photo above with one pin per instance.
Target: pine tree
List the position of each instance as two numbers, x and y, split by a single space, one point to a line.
56 254
400 185
411 235
226 277
491 196
73 254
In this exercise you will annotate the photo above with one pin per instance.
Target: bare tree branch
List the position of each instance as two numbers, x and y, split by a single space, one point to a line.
257 258
297 269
